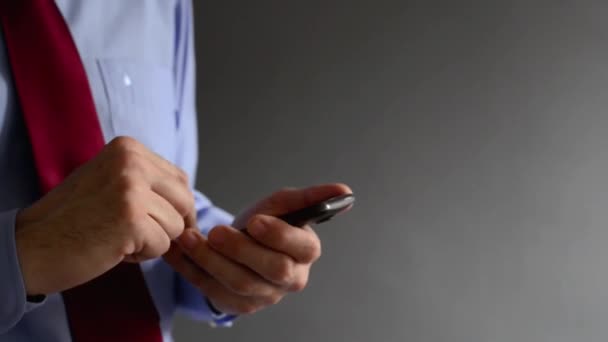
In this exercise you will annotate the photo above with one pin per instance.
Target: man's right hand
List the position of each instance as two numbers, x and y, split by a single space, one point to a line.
126 204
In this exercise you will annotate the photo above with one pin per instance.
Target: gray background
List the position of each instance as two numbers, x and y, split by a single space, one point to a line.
473 133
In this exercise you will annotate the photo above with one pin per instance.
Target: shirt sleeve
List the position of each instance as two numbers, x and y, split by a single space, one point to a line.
12 289
190 299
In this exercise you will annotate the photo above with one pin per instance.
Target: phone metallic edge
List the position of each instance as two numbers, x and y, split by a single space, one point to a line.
320 212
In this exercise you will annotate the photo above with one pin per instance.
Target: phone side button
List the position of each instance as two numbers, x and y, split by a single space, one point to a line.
324 220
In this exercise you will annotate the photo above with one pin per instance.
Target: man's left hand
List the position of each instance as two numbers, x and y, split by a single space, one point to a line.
243 273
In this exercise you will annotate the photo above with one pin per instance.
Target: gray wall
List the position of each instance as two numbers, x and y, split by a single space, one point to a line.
473 133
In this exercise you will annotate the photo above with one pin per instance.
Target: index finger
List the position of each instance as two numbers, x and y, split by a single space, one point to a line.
288 200
301 244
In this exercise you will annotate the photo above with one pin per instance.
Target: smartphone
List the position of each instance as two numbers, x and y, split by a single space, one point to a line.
320 212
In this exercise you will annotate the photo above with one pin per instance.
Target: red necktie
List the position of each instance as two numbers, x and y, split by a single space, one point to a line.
64 132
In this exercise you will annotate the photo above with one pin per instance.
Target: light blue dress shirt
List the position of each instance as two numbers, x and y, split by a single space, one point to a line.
139 58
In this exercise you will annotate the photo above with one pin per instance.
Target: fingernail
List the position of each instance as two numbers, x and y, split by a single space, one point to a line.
187 240
259 225
217 237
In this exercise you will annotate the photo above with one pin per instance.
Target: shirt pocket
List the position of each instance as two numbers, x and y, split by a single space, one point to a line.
141 103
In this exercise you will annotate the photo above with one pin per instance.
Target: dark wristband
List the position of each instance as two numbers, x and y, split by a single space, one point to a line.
215 311
36 299
220 318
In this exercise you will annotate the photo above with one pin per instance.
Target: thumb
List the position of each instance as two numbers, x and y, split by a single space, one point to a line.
190 220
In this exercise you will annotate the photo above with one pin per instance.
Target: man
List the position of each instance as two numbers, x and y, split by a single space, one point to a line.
101 236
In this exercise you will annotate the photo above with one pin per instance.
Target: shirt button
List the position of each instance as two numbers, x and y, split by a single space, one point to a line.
127 80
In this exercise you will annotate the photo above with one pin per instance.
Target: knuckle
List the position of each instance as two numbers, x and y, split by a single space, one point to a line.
176 225
246 308
273 299
188 204
132 233
123 143
177 229
126 182
163 246
298 285
133 245
130 162
182 176
125 157
127 247
185 204
313 252
316 253
129 168
283 271
243 287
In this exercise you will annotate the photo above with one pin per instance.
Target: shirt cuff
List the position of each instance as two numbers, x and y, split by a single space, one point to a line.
196 306
209 216
12 289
